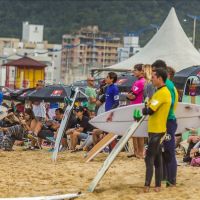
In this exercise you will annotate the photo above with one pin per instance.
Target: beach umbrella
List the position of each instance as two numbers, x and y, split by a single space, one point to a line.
14 95
181 76
22 97
50 93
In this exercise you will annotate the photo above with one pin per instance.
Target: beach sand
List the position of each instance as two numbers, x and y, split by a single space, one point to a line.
32 173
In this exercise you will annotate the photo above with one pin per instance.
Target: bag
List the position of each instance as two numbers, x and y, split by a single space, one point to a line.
195 162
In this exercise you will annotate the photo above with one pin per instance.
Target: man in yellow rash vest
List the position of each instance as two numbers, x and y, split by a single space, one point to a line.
158 109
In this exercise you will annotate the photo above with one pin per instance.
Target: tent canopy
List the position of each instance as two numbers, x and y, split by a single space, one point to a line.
170 44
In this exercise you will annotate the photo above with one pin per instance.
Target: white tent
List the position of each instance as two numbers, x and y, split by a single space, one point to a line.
170 44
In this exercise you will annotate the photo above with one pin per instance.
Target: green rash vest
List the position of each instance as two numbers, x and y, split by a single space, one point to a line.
174 96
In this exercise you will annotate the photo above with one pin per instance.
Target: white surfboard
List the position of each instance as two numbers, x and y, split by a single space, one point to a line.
3 112
64 121
188 116
56 197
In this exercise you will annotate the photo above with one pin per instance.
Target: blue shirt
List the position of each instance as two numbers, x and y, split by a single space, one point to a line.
1 98
112 97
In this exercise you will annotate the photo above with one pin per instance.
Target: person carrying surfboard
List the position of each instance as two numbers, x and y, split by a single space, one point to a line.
136 97
169 146
157 108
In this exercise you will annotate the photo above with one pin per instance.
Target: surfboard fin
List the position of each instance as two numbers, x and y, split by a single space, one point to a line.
137 115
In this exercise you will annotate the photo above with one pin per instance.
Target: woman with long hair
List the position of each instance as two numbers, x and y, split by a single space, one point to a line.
26 124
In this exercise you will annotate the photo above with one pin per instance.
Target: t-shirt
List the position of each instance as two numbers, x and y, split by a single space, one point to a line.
91 92
160 103
84 123
112 97
137 89
1 98
39 110
174 96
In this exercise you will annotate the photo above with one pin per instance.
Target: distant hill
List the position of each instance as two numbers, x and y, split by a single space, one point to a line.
64 16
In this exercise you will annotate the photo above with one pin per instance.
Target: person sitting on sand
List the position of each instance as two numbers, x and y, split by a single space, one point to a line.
80 128
18 132
48 129
192 140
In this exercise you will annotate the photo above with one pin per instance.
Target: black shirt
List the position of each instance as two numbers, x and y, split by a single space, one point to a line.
84 123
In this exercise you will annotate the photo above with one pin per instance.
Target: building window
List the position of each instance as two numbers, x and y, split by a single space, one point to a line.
36 29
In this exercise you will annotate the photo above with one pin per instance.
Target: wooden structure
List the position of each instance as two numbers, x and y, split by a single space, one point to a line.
27 72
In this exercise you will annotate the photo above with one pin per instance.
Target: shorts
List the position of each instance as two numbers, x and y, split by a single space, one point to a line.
45 133
83 136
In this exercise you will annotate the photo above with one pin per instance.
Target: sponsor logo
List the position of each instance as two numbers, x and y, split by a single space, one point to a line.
168 137
57 93
116 97
154 102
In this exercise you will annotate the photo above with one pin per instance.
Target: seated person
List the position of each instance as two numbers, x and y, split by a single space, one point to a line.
51 126
195 151
192 140
20 131
80 128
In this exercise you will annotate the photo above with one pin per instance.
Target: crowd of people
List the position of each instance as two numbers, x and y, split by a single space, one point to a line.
40 123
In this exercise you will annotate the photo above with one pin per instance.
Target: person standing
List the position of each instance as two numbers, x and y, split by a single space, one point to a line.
91 93
112 92
111 98
169 146
136 97
158 109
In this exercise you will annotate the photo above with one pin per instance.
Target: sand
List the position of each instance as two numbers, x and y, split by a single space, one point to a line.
32 173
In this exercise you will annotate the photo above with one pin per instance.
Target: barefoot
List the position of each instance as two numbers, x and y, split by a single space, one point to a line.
146 189
157 189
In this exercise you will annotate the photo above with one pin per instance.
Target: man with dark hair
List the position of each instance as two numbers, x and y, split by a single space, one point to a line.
157 108
159 64
169 154
51 126
79 128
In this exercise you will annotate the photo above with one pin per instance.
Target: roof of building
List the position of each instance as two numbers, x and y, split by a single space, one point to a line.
25 62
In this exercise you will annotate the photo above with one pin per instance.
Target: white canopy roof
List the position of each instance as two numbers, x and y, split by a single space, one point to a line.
170 44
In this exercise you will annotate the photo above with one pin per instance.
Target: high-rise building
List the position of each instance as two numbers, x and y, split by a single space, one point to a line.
87 49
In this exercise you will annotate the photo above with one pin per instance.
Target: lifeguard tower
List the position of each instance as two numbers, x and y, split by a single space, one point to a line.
27 72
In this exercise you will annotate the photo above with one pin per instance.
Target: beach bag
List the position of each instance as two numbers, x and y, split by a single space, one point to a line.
195 162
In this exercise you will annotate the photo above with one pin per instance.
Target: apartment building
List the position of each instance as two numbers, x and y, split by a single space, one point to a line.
33 45
89 48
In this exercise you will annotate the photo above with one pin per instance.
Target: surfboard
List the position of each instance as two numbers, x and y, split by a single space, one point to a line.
188 116
100 146
3 112
56 197
63 124
116 150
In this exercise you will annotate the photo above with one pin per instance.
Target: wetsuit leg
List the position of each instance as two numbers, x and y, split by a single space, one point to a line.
169 155
153 153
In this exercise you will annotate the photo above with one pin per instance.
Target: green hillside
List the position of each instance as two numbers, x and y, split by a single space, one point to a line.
64 16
